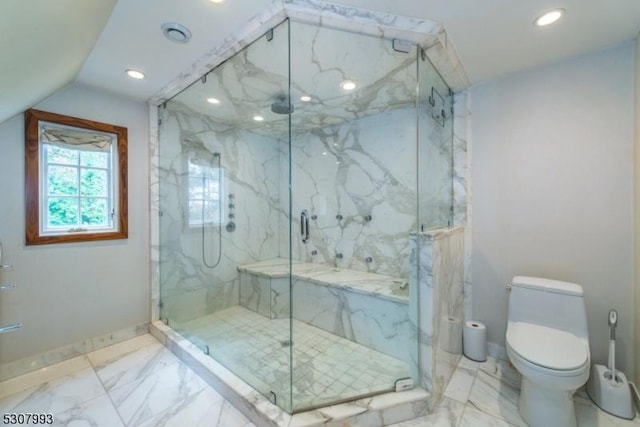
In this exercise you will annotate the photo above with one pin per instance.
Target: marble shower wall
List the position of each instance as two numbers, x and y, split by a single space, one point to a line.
462 208
348 170
437 285
250 163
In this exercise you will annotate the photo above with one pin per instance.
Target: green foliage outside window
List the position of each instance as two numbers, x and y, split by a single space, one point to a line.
78 187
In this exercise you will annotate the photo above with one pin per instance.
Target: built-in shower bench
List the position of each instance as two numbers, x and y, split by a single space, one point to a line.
387 287
367 308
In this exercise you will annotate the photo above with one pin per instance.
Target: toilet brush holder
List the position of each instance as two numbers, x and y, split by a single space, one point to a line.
608 388
611 396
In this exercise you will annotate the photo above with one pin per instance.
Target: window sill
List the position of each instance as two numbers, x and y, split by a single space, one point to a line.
46 239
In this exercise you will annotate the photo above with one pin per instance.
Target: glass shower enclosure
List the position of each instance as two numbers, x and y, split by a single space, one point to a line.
291 177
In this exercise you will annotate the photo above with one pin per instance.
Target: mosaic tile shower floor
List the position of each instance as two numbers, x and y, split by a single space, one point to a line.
327 368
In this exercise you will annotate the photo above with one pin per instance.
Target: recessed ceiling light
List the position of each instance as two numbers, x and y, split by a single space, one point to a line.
258 118
135 74
216 1
348 85
176 32
213 101
549 17
305 98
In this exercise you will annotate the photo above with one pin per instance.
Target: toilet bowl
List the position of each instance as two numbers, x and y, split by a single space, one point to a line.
547 342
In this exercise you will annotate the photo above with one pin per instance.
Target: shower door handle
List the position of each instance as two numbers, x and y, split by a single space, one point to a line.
304 225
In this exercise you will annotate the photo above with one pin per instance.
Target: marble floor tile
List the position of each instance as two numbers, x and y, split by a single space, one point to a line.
128 367
149 388
56 395
140 400
326 367
503 370
98 412
468 364
447 414
473 417
460 384
589 415
206 408
496 397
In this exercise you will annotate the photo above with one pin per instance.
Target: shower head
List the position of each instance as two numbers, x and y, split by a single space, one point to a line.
282 106
216 154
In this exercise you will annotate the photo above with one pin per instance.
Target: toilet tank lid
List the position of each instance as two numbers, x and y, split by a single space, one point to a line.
547 285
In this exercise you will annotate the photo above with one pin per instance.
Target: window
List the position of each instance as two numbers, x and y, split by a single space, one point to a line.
205 193
76 179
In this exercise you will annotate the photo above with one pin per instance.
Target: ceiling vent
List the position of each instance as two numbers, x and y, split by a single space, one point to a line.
176 32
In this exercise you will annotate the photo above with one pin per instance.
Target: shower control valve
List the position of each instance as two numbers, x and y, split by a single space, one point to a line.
339 217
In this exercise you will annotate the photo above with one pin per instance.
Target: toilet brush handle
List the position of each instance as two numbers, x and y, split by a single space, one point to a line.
612 359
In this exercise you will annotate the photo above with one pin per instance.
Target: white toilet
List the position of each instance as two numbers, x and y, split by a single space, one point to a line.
548 343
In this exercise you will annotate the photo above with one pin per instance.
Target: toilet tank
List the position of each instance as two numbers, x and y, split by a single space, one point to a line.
547 302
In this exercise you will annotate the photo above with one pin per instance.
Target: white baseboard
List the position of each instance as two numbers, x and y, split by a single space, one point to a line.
51 357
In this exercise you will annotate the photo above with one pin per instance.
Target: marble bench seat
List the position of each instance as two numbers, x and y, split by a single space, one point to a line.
367 308
387 287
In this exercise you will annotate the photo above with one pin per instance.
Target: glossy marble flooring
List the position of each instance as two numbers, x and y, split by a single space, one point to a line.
486 395
134 383
326 367
140 383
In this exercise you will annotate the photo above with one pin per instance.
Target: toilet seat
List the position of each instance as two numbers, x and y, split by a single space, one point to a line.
547 350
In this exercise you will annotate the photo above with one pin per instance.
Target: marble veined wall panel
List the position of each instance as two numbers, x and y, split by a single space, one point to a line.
437 282
363 168
250 165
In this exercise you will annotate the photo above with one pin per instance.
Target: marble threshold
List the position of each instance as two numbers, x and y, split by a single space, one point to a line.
387 287
376 411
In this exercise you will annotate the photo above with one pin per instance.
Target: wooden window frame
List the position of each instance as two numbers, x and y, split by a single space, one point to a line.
33 206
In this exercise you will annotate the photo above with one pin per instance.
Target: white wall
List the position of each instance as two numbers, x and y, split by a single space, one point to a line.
636 199
552 185
71 292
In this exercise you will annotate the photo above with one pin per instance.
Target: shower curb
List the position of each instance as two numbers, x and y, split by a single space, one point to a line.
376 411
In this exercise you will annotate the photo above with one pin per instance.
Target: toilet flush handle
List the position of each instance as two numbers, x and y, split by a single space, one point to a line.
509 286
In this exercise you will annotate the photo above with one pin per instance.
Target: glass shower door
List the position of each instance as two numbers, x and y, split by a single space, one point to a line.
435 148
353 181
224 229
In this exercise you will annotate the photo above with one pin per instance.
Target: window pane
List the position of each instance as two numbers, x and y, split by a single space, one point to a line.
211 212
63 181
94 211
93 182
195 212
195 189
94 158
195 170
211 188
63 211
61 155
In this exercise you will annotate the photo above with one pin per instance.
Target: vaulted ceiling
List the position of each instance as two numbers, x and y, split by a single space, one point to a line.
48 44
